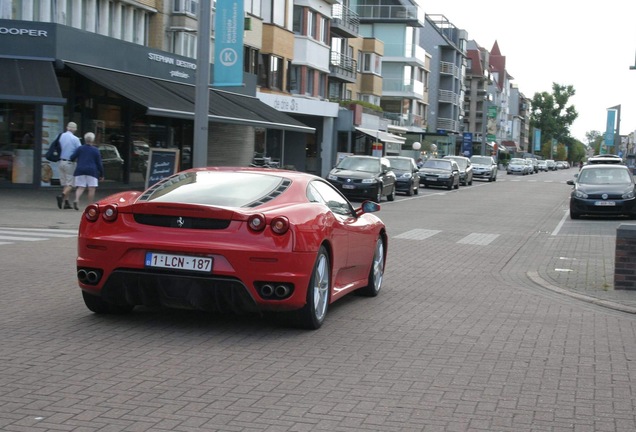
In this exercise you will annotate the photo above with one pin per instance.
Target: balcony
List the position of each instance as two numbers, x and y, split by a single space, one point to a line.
447 124
412 89
342 67
404 120
411 54
344 22
447 96
447 68
370 12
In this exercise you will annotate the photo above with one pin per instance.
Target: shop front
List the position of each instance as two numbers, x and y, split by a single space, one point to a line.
134 99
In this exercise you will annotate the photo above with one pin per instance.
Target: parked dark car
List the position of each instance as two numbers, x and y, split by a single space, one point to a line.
440 172
484 167
141 150
407 174
364 177
112 162
603 190
465 169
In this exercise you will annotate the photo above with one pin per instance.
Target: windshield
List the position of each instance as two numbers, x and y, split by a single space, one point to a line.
601 176
482 160
461 162
360 164
401 164
437 164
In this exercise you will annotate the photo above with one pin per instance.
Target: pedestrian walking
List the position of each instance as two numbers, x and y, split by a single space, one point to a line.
89 170
69 143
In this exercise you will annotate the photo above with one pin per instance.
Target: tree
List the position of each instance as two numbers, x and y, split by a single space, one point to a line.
594 140
551 113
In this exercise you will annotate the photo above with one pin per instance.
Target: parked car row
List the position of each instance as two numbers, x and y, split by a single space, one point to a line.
372 177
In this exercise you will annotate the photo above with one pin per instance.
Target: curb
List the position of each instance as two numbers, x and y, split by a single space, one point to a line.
534 277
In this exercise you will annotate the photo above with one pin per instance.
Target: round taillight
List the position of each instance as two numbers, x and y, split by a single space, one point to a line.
91 212
280 225
256 222
109 213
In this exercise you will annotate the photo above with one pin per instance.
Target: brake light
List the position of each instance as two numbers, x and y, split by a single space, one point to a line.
109 213
280 225
256 222
91 212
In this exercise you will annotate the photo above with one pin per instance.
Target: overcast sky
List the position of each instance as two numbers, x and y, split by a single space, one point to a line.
588 45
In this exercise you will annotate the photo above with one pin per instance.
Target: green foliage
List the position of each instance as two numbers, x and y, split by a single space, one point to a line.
550 113
362 103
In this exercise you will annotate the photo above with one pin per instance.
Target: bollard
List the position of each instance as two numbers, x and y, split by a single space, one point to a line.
625 258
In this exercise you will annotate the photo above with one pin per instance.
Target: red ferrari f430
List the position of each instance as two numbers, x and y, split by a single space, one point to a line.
230 239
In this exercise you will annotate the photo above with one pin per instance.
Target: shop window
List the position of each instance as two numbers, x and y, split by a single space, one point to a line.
17 144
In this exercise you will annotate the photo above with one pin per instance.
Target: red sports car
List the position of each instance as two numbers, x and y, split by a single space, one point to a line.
230 239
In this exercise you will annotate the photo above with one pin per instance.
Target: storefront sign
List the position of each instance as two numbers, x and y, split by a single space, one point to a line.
162 163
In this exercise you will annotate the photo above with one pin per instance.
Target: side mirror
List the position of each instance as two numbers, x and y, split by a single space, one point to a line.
368 207
570 182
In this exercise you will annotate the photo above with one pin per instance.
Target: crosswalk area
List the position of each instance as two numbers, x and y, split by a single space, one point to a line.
17 235
479 239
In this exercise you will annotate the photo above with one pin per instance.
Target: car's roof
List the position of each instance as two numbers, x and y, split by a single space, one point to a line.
605 159
455 157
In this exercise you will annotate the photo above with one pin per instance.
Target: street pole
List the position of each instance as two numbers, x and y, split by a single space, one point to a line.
202 89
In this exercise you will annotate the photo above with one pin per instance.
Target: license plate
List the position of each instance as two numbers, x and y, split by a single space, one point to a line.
179 262
605 203
346 186
431 178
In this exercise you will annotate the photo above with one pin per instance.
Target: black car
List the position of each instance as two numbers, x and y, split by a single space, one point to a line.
112 162
407 174
365 177
603 190
440 172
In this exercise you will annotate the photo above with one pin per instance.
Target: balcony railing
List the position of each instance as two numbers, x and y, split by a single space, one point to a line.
371 11
399 85
404 120
447 124
342 66
448 68
447 96
344 18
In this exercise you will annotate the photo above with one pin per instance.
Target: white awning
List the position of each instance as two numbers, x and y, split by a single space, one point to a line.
383 136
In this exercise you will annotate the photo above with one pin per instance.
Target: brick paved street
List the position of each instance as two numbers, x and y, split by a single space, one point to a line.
489 319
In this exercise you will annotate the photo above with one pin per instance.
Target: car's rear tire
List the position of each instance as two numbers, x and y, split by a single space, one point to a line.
376 273
391 196
99 306
312 315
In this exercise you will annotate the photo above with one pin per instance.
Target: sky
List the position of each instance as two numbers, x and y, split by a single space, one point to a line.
588 45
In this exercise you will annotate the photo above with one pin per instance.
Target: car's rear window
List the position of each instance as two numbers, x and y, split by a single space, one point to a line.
218 188
403 164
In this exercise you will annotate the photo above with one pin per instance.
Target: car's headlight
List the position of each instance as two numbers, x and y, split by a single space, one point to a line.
332 177
579 194
369 181
628 195
407 175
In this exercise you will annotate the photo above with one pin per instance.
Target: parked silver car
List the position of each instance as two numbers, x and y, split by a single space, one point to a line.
484 167
465 169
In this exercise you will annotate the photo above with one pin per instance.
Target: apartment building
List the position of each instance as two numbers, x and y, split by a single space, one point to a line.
448 47
476 101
